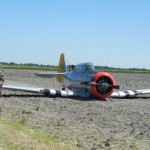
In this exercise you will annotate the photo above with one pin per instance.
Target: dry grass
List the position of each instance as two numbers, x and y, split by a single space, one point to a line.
17 136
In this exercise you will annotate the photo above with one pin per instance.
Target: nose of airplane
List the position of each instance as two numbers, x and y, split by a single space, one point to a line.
104 88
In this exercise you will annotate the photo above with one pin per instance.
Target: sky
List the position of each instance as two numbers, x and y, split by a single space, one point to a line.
114 33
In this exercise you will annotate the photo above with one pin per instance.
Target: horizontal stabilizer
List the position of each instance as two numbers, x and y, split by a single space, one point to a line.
48 75
129 93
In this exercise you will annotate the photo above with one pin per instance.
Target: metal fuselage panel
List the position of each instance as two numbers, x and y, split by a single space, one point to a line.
73 79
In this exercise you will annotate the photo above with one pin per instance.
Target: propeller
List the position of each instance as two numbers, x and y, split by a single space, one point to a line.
102 85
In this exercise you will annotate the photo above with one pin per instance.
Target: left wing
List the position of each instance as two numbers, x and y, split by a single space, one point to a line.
48 92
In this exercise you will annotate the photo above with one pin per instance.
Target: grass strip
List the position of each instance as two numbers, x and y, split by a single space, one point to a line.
18 136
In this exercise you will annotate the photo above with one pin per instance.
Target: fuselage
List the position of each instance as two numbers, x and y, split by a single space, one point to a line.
82 73
86 79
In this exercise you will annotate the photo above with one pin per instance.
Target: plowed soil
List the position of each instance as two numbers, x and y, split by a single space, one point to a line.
121 124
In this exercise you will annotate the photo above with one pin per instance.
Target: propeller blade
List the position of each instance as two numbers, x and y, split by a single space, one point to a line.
102 85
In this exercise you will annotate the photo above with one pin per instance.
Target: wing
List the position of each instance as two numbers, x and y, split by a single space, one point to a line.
21 88
129 93
48 92
69 93
48 75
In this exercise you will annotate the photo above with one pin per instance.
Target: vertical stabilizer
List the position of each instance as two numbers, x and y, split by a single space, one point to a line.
61 67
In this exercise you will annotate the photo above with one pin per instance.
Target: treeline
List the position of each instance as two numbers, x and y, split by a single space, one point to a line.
25 64
29 66
113 68
33 66
123 70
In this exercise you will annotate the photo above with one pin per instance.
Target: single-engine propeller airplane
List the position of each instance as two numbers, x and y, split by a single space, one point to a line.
83 81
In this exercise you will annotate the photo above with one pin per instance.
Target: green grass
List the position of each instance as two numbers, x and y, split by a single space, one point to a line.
18 136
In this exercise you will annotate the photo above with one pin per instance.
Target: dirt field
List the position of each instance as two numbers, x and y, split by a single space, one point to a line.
114 124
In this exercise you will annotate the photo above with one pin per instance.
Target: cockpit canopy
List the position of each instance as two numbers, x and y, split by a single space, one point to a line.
85 68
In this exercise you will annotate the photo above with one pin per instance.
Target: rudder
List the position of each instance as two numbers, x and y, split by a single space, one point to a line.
61 67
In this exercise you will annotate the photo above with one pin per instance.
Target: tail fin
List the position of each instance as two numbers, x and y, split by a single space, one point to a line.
61 67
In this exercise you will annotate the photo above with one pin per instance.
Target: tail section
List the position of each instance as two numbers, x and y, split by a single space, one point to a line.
61 67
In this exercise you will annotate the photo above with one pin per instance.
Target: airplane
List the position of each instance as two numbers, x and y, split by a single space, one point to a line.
83 81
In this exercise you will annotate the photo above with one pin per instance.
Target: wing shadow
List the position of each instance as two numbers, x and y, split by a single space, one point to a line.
73 98
47 96
134 97
23 95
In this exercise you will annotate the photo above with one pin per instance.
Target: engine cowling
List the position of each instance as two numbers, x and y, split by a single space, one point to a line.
102 92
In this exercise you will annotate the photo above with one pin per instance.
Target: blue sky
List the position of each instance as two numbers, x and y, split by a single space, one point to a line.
112 33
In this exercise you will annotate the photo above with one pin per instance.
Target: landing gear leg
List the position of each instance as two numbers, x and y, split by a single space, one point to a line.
1 79
1 83
0 91
63 88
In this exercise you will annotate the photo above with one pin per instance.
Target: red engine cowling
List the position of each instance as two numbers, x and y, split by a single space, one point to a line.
101 92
